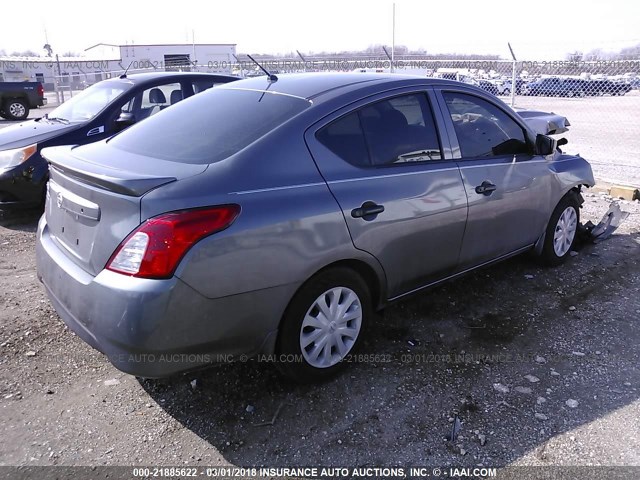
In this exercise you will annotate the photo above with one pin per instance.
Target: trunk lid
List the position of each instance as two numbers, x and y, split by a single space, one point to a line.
94 196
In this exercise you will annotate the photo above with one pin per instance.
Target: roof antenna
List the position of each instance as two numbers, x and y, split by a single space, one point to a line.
124 75
272 77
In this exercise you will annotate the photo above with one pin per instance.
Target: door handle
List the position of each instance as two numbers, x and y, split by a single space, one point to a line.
485 188
368 209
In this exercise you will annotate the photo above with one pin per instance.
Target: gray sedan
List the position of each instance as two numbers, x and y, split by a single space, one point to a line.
273 217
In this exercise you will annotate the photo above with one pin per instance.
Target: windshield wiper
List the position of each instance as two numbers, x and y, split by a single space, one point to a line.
57 119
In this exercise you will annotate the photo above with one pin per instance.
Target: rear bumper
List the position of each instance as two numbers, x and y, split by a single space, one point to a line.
156 328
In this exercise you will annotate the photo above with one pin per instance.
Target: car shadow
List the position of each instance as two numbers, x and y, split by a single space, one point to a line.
504 349
25 220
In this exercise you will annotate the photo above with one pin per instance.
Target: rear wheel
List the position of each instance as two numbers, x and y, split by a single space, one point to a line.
561 230
323 324
15 109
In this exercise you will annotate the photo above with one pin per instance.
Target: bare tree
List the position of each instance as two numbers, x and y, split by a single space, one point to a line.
25 53
630 53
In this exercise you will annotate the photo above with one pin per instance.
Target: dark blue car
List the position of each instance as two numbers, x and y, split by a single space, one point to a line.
95 114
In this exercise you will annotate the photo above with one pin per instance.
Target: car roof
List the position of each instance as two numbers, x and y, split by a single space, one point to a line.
139 78
312 86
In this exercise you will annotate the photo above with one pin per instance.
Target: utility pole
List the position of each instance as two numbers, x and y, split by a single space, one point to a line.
513 77
59 92
393 37
193 40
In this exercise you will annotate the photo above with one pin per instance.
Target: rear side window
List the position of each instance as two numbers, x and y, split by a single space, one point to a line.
394 131
483 129
209 127
200 85
345 138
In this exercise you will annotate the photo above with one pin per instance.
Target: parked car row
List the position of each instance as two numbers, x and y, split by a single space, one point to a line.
275 215
553 86
574 87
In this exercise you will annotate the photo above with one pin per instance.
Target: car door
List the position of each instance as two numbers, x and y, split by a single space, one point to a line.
403 202
507 186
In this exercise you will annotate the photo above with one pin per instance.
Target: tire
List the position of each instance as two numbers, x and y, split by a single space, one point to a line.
15 109
304 322
560 235
2 115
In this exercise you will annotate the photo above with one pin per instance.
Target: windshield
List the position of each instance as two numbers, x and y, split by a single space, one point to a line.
210 126
90 102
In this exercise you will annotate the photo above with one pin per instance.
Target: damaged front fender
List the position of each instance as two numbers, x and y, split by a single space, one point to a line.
571 171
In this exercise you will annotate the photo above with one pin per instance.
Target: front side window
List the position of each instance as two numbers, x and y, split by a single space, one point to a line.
90 102
483 129
394 131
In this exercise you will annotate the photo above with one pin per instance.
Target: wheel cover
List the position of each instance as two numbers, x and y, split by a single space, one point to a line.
331 327
565 231
16 109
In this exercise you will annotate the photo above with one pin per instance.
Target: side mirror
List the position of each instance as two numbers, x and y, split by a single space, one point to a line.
545 145
125 120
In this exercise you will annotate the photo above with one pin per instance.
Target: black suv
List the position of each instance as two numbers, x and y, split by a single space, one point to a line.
95 114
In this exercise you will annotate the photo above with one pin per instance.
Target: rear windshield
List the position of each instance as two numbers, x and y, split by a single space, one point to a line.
210 126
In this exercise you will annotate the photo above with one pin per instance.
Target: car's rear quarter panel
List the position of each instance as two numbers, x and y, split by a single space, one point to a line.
290 225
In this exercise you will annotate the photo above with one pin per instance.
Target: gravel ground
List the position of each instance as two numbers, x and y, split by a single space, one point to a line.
538 365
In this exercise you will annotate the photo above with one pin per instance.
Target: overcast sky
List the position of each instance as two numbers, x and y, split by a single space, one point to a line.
536 29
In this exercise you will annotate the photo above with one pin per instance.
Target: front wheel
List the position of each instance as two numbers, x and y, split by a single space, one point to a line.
323 324
561 230
15 109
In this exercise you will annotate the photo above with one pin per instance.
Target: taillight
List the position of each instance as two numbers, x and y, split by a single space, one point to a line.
40 90
154 249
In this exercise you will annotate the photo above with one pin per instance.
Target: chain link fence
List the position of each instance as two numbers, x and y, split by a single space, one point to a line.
601 99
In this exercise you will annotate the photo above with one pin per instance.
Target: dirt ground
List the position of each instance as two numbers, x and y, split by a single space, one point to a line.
539 365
